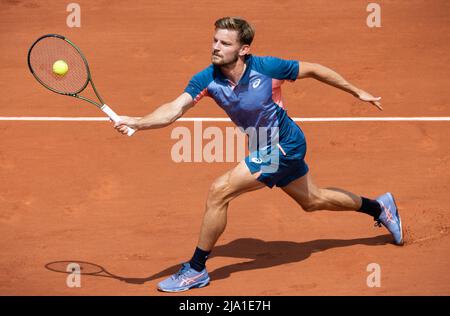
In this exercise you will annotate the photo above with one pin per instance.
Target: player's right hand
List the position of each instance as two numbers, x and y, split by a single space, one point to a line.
125 122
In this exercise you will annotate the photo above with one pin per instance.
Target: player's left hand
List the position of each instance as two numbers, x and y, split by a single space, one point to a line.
367 97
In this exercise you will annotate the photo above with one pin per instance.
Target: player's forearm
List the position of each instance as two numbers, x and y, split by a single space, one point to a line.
164 115
334 79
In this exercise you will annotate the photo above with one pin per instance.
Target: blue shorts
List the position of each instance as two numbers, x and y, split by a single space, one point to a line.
279 167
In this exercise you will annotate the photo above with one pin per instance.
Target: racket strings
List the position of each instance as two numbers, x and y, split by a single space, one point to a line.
46 52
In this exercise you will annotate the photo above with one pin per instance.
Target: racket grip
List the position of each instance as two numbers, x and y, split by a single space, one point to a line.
113 116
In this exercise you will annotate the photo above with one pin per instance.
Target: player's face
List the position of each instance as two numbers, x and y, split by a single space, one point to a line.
226 47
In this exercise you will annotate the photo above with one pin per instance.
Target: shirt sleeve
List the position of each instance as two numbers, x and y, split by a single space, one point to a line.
277 68
198 85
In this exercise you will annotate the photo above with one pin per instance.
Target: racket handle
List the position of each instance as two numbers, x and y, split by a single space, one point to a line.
113 116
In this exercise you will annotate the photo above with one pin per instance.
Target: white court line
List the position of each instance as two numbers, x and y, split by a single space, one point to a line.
224 119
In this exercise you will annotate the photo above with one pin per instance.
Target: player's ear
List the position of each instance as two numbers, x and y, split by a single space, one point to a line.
245 50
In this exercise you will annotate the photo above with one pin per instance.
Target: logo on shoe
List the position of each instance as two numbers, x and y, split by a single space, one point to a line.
187 281
387 211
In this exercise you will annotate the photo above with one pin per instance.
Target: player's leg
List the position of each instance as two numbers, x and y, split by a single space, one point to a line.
312 198
224 189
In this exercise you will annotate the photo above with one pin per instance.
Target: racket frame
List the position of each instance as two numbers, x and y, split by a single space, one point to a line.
105 108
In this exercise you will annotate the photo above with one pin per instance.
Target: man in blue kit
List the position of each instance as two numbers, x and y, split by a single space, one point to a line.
248 89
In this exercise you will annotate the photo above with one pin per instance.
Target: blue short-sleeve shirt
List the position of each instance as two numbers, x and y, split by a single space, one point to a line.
255 100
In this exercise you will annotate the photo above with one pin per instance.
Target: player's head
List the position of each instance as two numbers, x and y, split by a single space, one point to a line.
232 39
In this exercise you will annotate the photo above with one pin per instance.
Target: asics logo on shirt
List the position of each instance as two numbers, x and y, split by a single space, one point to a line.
256 83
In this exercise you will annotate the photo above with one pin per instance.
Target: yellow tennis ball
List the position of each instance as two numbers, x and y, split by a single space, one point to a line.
60 67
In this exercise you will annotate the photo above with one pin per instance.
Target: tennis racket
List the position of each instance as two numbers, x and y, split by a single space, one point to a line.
51 48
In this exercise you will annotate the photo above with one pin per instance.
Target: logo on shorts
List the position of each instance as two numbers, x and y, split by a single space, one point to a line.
256 160
256 83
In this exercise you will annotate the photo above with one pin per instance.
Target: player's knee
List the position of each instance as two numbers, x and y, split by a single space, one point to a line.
312 203
218 191
309 207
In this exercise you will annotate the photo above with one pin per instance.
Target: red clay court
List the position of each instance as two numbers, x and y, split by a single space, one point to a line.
80 191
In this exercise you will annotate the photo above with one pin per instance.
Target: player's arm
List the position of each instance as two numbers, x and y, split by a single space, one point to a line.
164 115
329 76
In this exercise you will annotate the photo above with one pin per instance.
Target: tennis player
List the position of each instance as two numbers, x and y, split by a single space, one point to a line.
248 89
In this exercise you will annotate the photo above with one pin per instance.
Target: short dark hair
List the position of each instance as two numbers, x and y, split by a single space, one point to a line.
246 32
